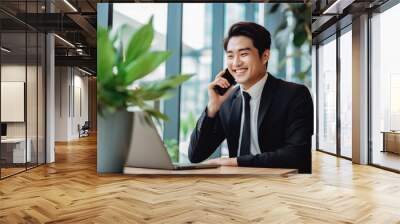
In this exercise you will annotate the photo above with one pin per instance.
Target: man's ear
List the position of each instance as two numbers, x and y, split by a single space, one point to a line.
265 56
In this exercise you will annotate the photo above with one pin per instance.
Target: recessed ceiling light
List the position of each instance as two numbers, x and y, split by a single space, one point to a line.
65 41
337 7
70 5
84 71
5 50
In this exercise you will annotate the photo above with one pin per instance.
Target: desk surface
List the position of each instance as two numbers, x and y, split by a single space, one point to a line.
390 132
13 140
223 170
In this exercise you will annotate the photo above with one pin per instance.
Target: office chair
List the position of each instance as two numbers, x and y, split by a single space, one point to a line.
84 130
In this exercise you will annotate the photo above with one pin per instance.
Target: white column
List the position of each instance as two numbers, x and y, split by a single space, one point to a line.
360 90
50 100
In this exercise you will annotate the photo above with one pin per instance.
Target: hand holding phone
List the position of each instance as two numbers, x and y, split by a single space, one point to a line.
217 91
228 76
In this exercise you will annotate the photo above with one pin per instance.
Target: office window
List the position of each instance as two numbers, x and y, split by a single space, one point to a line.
260 13
196 59
327 96
138 14
234 12
346 94
385 87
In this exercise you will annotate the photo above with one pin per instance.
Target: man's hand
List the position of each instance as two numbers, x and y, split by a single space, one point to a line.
223 161
215 100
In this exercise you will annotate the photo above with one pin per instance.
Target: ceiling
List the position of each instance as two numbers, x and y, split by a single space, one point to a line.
329 16
72 20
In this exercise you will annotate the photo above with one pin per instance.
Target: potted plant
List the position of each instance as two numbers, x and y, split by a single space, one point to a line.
120 68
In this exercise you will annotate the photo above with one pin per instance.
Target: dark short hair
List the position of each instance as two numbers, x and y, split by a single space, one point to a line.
260 36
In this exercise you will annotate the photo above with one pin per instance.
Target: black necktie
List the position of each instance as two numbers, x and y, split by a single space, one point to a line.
245 142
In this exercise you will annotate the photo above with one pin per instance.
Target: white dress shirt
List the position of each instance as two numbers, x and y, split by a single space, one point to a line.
255 92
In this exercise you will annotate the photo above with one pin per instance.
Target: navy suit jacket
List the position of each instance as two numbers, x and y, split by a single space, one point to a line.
285 127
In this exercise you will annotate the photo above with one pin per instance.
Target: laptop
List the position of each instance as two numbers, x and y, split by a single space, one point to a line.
3 131
147 149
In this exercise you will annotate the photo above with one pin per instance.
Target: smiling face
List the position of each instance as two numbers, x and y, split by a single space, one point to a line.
244 62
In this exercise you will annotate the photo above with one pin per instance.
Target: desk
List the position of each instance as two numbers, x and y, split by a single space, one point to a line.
223 170
391 141
17 151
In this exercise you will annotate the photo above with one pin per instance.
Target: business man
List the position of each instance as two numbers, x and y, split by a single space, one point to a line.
266 121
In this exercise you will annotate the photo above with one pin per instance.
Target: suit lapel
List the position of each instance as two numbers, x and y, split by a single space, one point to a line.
235 119
266 99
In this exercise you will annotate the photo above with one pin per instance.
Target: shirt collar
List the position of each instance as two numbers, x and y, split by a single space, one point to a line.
255 91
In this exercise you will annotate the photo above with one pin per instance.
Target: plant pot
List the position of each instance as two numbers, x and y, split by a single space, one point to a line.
113 140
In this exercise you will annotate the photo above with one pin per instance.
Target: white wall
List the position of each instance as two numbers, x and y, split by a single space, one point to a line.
71 102
13 73
61 103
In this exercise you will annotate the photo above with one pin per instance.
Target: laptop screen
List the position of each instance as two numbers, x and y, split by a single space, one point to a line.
3 129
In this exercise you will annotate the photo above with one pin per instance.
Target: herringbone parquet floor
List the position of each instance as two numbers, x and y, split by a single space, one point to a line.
70 191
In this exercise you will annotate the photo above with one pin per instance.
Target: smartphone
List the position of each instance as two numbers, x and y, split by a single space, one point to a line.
228 76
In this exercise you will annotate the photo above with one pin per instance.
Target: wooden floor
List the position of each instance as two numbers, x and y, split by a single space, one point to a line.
387 159
10 171
70 191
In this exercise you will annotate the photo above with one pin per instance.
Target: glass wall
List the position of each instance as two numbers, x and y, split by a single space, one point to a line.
22 91
346 93
385 89
13 109
31 100
327 96
41 97
196 59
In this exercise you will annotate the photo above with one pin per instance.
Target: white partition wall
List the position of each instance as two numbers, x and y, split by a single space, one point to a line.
71 102
12 100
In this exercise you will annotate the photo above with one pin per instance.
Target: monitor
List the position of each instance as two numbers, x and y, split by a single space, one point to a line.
3 129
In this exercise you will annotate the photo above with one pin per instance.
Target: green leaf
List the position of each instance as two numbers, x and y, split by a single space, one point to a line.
274 8
300 35
172 148
112 97
105 56
303 74
147 95
144 65
156 90
119 66
282 26
157 114
140 41
124 30
169 83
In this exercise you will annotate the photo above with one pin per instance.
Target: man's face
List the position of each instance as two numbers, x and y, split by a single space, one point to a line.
244 62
